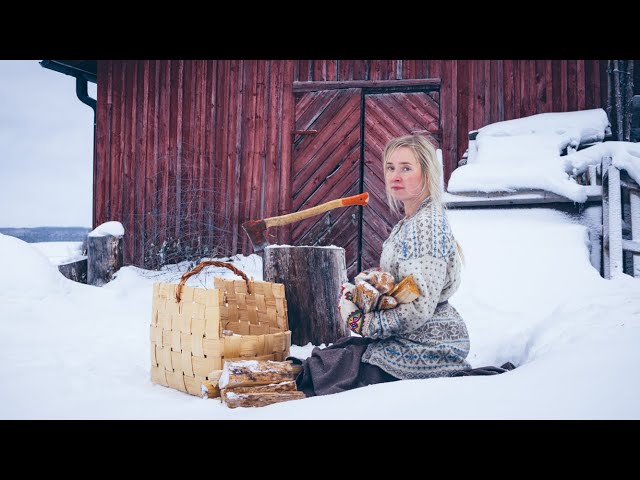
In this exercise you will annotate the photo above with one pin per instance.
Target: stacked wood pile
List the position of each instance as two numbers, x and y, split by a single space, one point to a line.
253 383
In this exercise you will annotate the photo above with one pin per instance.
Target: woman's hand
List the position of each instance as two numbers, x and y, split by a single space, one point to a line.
353 316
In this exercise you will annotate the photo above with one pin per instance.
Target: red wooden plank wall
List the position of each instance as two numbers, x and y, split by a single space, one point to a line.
195 146
169 130
475 93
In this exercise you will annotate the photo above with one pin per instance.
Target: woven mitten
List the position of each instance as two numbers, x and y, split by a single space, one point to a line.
353 316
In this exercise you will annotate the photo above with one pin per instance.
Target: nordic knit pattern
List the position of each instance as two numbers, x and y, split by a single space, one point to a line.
355 319
424 338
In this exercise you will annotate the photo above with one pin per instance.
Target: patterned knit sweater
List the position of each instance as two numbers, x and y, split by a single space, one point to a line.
427 337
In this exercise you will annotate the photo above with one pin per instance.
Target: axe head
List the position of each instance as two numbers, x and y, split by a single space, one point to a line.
256 231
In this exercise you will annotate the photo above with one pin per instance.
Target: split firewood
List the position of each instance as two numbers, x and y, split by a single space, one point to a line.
237 373
406 291
382 281
233 399
365 296
386 302
378 292
289 386
209 388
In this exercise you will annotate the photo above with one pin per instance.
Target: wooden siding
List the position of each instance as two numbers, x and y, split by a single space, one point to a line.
389 115
186 146
169 130
474 93
326 166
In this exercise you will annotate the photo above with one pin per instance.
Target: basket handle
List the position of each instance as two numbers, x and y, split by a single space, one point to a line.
198 268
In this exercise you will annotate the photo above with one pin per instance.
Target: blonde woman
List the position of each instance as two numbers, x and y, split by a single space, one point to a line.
425 338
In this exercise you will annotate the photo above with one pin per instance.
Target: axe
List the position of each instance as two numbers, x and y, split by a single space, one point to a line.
255 228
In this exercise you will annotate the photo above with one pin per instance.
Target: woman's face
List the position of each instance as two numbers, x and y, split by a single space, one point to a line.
403 175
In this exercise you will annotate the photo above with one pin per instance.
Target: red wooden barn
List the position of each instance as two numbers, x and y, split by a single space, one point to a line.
190 150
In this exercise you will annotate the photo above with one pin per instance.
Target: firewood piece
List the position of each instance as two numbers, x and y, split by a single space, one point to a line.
406 291
365 296
234 400
237 373
289 386
209 388
382 281
387 302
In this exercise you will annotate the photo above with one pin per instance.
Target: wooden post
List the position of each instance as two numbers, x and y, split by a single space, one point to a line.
595 240
628 101
312 277
606 264
105 256
615 223
617 101
635 228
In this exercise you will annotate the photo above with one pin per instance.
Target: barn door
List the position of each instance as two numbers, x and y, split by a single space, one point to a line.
332 159
326 165
386 116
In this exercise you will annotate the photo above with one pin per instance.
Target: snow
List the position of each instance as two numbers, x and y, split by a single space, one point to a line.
624 155
580 127
546 174
525 153
224 378
528 295
114 229
27 273
60 253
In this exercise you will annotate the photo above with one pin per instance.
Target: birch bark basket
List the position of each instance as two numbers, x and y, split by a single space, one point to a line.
312 277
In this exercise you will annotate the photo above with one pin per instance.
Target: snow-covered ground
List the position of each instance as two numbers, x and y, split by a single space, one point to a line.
60 252
529 295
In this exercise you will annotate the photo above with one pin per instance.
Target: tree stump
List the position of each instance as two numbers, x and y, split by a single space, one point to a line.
312 277
105 256
76 271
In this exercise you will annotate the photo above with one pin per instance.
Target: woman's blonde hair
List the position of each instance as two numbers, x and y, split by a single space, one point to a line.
425 154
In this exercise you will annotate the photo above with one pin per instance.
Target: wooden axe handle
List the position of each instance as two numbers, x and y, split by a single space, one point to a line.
361 199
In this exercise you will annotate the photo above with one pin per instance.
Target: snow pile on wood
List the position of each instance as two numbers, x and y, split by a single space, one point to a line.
624 155
526 154
581 127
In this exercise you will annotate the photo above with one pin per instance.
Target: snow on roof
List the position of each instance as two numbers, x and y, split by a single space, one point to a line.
624 155
583 126
525 154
